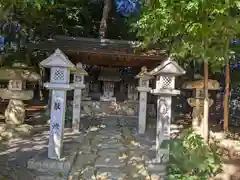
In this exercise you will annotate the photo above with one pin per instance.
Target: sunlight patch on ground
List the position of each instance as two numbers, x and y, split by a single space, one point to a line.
12 150
123 156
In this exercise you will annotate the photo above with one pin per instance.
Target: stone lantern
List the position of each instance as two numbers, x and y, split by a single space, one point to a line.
130 83
16 92
165 88
197 102
78 85
143 89
109 76
60 66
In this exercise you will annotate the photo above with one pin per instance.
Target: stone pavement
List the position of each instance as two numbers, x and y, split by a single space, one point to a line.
112 150
108 148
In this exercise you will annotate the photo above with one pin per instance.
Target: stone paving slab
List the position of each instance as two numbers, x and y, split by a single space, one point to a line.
113 151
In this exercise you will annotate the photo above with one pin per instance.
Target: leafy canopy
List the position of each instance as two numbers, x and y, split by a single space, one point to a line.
199 28
8 6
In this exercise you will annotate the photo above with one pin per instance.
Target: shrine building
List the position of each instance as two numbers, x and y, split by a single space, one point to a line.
112 66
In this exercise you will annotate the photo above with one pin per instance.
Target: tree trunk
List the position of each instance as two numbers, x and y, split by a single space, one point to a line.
226 95
204 128
103 23
196 118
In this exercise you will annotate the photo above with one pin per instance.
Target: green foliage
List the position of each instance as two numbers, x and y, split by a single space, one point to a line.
41 19
14 30
8 5
199 28
71 18
192 159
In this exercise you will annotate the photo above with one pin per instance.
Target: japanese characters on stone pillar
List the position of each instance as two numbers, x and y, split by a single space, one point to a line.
59 65
165 83
143 89
78 85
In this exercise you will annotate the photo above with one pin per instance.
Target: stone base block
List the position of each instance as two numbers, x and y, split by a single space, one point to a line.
87 98
42 163
50 178
106 99
157 170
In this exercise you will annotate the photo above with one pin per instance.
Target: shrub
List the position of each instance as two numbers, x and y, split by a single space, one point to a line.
192 159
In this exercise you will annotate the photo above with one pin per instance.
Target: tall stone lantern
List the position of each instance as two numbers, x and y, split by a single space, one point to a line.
165 88
78 85
143 89
60 66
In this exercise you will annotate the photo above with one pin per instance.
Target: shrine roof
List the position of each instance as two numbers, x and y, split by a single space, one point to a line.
79 47
168 67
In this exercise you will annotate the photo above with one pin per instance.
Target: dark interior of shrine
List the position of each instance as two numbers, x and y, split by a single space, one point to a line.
126 74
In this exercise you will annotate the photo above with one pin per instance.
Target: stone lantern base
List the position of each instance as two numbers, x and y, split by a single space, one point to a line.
43 164
159 170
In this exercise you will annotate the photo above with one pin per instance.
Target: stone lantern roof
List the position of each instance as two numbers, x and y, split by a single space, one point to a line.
79 70
7 74
199 84
57 59
19 65
168 67
144 74
10 74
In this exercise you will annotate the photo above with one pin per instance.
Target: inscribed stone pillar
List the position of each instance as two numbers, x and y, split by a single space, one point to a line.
60 66
143 89
163 127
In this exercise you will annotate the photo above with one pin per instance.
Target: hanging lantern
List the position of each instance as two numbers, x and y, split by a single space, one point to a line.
127 7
